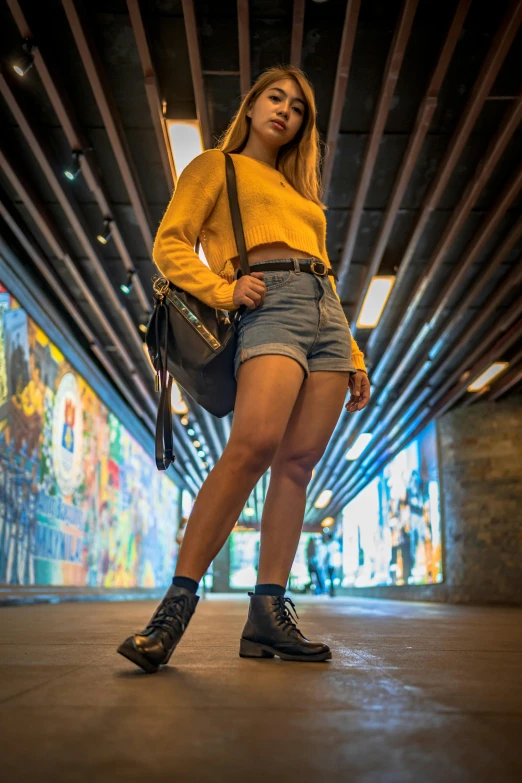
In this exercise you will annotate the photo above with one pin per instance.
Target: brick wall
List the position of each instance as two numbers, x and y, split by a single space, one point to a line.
480 453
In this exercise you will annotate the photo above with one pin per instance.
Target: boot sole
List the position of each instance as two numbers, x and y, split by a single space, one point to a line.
131 653
248 649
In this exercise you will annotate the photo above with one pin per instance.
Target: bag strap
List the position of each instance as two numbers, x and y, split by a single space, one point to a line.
235 212
164 444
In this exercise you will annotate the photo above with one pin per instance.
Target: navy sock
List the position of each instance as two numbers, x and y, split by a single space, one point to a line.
269 590
187 583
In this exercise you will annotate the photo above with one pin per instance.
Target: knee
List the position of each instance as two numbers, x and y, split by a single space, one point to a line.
255 454
298 467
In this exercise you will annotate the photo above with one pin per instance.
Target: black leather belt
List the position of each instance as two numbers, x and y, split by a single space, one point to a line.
313 266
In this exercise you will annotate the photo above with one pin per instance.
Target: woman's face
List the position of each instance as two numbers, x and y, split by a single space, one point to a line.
283 101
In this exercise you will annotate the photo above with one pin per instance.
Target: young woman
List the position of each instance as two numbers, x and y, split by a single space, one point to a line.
295 356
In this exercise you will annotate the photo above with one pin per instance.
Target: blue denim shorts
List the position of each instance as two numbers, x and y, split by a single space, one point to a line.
300 317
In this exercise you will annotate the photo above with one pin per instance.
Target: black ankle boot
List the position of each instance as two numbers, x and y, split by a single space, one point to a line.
152 647
271 630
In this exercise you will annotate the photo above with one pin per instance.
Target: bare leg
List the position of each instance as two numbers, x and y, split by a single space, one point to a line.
216 510
268 387
315 414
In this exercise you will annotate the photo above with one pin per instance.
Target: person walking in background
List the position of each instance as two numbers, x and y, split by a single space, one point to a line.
332 559
313 566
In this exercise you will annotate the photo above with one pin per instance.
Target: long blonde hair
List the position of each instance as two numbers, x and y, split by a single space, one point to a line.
300 159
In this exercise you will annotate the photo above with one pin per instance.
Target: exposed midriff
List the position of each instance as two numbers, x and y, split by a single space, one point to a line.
270 252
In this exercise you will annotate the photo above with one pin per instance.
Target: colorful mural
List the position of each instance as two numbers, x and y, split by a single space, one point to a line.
81 501
391 530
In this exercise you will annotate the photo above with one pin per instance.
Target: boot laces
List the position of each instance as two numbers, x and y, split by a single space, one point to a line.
285 617
171 615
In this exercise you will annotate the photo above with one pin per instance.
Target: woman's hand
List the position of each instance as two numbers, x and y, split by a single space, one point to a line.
250 290
359 392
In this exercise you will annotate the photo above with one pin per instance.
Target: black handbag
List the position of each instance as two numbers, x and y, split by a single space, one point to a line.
193 343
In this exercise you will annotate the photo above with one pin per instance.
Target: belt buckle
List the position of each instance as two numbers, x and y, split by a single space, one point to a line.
313 265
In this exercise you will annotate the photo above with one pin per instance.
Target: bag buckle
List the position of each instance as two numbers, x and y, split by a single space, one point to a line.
313 267
160 285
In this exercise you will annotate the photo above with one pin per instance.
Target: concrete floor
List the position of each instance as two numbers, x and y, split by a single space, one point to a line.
415 692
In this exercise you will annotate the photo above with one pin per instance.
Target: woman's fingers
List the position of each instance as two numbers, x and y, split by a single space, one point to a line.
360 392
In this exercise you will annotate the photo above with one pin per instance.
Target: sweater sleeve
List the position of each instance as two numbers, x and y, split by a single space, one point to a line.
173 250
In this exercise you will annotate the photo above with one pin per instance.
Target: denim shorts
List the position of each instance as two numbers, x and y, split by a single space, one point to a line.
300 317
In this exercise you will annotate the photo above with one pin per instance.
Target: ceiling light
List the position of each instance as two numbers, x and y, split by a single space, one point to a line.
72 172
359 445
105 236
327 522
323 499
191 431
487 376
185 141
202 453
143 328
184 421
127 287
249 512
375 301
26 62
197 444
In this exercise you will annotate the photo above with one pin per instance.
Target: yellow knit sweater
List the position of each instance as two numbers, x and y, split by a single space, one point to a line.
270 212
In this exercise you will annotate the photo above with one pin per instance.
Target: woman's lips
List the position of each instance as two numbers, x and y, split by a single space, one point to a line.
276 125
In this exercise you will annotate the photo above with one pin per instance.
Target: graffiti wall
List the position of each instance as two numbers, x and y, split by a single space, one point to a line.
391 530
81 501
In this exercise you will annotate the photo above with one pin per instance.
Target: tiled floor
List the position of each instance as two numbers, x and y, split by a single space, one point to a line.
414 692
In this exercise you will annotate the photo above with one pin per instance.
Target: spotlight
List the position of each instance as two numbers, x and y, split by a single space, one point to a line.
104 238
184 421
26 62
143 328
73 171
127 287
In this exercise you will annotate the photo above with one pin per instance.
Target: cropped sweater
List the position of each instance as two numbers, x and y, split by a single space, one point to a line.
199 206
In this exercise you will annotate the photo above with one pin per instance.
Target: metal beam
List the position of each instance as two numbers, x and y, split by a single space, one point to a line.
411 154
485 80
468 199
389 82
440 406
422 380
243 23
92 64
64 109
344 62
42 154
296 41
455 225
330 464
191 30
153 93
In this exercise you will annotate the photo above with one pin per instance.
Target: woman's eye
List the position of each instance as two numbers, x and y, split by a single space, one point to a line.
295 107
